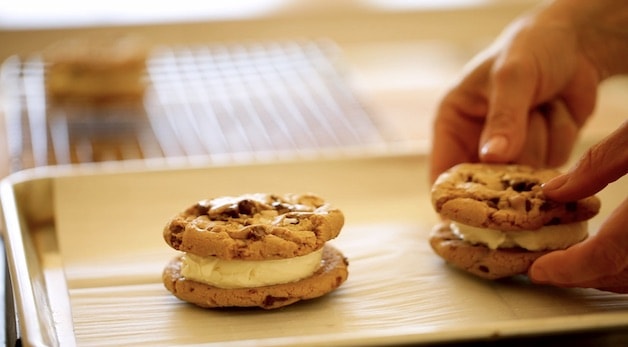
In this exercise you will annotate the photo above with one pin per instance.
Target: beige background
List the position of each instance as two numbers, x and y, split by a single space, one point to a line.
399 61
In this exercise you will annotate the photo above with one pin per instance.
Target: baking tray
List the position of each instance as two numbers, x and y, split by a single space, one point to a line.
86 253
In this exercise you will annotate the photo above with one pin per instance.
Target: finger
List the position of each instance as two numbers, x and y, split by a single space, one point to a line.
602 164
622 289
534 152
450 146
580 95
512 90
592 262
616 283
563 133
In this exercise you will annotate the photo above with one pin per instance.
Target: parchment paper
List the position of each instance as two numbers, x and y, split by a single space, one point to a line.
109 234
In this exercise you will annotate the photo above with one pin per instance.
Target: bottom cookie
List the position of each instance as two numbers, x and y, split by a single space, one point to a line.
478 259
332 273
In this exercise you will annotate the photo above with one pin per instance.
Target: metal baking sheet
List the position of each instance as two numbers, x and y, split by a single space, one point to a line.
86 254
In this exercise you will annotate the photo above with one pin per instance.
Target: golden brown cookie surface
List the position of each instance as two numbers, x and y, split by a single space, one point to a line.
254 226
96 70
504 197
332 273
478 259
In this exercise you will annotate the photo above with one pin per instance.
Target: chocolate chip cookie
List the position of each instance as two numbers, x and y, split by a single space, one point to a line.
480 260
504 197
265 250
255 226
331 274
497 221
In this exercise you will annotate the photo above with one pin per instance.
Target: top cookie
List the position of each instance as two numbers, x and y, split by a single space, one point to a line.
254 226
504 197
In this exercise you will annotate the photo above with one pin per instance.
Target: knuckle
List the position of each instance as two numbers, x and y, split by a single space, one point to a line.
512 68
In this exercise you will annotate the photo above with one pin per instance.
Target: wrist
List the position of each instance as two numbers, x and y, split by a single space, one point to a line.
602 30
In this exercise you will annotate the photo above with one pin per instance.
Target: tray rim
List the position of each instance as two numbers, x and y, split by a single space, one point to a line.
17 239
27 308
28 317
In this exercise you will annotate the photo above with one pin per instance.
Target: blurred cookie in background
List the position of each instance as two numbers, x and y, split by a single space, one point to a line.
96 70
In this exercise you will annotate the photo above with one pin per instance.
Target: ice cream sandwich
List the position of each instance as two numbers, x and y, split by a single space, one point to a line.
497 221
255 250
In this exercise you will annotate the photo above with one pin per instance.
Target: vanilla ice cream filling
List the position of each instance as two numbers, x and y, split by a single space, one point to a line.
550 237
249 273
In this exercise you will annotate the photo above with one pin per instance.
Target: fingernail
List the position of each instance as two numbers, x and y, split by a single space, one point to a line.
494 146
555 182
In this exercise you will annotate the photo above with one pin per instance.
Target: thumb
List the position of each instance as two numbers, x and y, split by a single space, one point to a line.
596 262
510 100
602 164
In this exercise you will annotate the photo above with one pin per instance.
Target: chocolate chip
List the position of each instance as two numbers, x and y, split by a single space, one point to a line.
255 232
571 206
175 242
483 268
546 205
270 300
176 228
280 207
230 212
554 221
505 184
198 209
522 186
247 207
493 203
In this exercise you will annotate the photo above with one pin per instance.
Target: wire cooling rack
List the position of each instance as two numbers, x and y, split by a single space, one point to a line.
219 101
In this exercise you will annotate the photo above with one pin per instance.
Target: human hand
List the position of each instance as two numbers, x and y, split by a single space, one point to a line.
602 260
524 99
